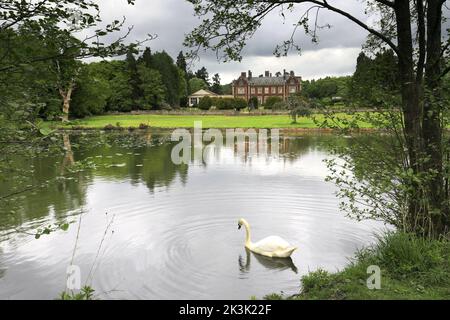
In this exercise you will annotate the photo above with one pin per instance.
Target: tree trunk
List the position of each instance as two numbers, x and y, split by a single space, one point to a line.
409 88
67 96
428 203
411 106
432 130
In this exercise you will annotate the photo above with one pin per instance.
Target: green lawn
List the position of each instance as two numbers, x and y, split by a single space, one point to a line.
187 121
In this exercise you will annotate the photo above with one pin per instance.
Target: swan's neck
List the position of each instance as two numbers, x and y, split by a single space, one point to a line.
248 240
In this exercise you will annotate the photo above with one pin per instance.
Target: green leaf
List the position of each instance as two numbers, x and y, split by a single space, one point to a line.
45 131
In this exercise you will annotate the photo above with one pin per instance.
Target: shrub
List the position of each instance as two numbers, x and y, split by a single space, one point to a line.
215 102
317 280
303 112
230 103
143 126
253 103
240 103
298 106
205 103
406 254
316 104
165 106
271 101
184 102
218 103
326 101
86 293
279 106
225 104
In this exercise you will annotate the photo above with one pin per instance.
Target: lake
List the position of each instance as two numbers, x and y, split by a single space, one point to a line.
150 229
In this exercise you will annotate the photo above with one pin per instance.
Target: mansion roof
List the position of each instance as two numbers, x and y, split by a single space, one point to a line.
203 92
264 81
267 80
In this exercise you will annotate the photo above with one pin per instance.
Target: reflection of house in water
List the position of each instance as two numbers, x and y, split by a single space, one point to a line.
286 147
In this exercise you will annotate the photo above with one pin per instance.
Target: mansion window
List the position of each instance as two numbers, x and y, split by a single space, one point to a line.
292 89
253 90
241 90
266 90
280 89
274 90
259 90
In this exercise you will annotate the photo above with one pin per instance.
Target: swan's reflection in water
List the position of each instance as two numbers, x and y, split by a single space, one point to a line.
279 264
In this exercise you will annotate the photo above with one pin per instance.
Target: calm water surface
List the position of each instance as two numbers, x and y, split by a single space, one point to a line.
173 229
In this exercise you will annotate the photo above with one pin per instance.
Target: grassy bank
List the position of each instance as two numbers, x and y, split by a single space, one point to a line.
187 121
411 268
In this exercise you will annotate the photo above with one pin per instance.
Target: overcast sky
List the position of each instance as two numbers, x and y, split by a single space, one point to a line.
335 54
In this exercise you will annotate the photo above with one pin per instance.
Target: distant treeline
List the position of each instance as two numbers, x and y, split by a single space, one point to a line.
146 80
375 78
151 81
57 87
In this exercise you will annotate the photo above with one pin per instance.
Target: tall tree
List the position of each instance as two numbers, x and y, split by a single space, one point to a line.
202 73
170 76
134 78
183 88
184 79
181 62
196 84
152 87
216 87
34 87
147 58
70 16
121 98
107 80
413 30
66 69
56 23
374 78
91 92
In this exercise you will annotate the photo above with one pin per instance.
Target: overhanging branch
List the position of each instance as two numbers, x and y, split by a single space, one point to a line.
378 34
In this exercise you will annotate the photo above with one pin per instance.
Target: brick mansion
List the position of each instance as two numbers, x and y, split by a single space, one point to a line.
264 86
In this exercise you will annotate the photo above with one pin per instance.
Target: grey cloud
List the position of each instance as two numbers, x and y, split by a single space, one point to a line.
309 65
172 19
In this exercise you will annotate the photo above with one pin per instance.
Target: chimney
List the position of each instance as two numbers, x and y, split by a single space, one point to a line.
250 74
284 74
270 75
267 73
292 74
243 75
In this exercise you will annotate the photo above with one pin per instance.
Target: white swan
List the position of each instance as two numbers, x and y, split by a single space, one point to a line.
273 246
